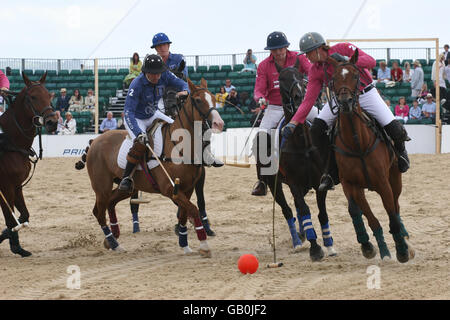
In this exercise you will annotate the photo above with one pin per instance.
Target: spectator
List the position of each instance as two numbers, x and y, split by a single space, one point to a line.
374 75
121 122
423 94
76 102
69 125
4 82
447 69
60 120
63 101
408 73
384 73
109 123
228 86
445 53
53 99
396 72
89 102
442 85
388 103
254 108
221 97
232 99
415 113
402 110
249 62
417 80
135 70
429 108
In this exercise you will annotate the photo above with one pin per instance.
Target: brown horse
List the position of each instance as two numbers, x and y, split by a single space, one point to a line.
366 159
103 170
30 110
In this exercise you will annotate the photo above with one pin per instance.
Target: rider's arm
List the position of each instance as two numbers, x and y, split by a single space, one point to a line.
261 89
305 65
131 104
364 60
174 81
4 82
312 92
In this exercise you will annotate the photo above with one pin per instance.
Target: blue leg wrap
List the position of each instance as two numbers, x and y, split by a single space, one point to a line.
308 227
326 235
182 238
295 238
360 229
400 244
384 251
302 231
135 222
109 236
205 221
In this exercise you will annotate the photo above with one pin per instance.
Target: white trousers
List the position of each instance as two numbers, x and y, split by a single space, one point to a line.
143 124
371 102
274 114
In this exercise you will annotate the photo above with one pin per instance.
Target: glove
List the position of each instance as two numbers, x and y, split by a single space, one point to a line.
142 138
262 103
288 130
339 58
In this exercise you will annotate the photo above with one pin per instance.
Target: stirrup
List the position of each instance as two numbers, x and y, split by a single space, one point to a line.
326 183
123 186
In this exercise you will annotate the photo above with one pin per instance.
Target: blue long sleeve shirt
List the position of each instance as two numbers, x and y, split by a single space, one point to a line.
143 96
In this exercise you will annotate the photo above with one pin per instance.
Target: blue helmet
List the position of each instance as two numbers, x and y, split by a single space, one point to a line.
276 40
160 38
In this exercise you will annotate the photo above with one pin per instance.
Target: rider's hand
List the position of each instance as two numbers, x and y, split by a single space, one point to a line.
262 103
182 94
339 58
142 138
3 91
288 130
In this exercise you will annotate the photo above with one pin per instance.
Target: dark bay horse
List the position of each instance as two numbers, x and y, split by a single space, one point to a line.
101 161
366 159
300 168
30 110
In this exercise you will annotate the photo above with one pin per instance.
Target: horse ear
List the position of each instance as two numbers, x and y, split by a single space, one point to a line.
354 59
182 66
25 79
278 67
192 86
297 63
203 83
42 79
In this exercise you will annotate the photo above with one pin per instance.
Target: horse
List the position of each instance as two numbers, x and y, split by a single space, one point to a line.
27 114
300 168
365 159
101 162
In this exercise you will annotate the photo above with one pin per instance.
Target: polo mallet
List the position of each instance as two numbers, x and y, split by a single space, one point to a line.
176 184
251 130
239 109
275 264
139 200
19 225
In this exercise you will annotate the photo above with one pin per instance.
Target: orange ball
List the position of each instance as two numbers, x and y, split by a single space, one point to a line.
248 263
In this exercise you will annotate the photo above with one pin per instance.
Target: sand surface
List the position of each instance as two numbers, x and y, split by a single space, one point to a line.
64 233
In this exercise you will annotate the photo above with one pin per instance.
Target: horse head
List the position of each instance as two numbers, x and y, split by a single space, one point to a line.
292 88
36 104
346 83
204 101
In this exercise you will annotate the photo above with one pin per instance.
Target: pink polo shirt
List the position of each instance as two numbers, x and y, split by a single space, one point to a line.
317 76
267 85
4 82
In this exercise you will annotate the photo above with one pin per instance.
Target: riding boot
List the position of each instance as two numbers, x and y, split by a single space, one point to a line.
260 187
398 134
127 180
321 141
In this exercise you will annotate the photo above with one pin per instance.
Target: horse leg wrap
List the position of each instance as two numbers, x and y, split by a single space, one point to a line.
135 222
308 227
113 244
384 251
358 223
114 224
403 231
205 221
182 237
400 244
326 235
201 233
295 238
300 226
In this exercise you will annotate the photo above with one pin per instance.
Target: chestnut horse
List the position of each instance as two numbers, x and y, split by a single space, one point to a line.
365 159
30 110
101 161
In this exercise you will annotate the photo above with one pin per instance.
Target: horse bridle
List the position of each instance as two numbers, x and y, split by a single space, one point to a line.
295 83
195 105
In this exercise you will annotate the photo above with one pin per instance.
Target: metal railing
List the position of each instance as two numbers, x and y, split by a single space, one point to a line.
193 60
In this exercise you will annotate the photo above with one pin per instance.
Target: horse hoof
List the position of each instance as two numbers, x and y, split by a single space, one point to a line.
316 253
136 228
187 251
106 244
210 233
368 250
331 252
298 248
205 253
119 249
402 258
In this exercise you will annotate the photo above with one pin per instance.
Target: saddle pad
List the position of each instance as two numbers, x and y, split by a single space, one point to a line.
128 143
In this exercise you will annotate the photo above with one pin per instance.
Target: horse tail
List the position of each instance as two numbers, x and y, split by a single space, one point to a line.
81 164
